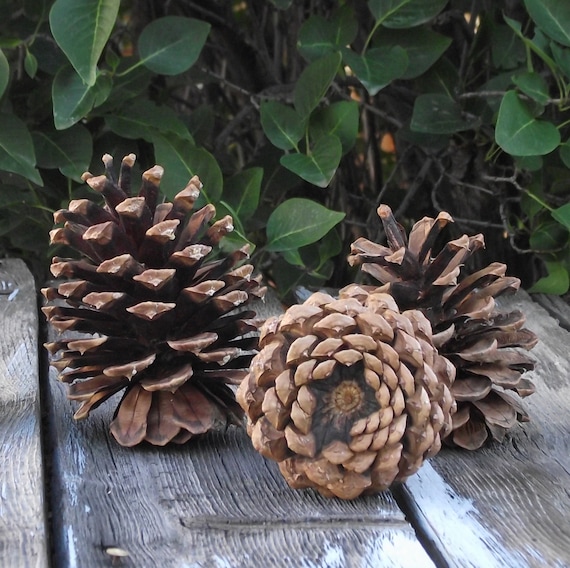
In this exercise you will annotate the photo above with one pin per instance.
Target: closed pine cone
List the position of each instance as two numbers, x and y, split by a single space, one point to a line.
348 395
164 314
469 330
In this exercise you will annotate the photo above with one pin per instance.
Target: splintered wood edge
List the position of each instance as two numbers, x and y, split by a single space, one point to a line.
23 525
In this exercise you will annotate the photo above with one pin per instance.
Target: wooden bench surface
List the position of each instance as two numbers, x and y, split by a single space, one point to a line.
216 502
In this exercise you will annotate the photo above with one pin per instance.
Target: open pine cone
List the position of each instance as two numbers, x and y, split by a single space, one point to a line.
469 330
165 315
348 395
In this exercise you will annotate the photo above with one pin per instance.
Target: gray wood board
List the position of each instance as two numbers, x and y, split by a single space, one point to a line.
23 534
212 502
507 505
556 307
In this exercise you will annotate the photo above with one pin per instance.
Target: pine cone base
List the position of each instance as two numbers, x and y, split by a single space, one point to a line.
348 396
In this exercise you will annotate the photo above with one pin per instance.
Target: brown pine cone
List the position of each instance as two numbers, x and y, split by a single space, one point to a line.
348 395
469 330
163 309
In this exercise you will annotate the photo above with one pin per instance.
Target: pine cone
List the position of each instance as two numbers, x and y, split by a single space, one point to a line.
468 329
348 395
165 314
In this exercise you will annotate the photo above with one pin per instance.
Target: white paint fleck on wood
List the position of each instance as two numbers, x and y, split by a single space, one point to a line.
71 551
452 522
22 518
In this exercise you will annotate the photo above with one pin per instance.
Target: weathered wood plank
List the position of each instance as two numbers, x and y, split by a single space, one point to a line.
23 534
507 505
556 307
212 502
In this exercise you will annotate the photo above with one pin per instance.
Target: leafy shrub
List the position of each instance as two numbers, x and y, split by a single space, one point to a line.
300 118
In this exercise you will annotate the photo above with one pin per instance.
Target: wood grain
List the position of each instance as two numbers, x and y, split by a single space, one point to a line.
557 307
23 534
211 502
507 505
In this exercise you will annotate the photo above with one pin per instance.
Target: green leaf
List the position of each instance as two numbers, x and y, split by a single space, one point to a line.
181 160
314 82
423 48
319 37
72 98
112 59
557 282
552 17
442 77
17 149
235 240
68 150
241 192
541 40
529 205
133 85
519 133
81 28
293 257
171 45
436 113
529 163
550 236
14 198
564 152
289 278
102 89
4 73
500 82
281 124
507 51
339 119
561 57
330 245
533 85
562 215
143 118
30 64
536 44
316 38
50 58
298 222
405 13
378 67
10 42
319 166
